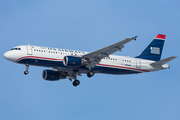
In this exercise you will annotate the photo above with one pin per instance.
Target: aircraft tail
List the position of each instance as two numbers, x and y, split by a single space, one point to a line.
154 50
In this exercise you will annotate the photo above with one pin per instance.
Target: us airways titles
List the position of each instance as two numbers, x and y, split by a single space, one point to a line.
65 50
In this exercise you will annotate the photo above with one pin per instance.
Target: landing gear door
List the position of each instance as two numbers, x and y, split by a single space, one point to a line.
138 63
29 50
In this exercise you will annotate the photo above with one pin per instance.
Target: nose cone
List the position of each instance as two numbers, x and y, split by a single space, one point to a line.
7 55
11 56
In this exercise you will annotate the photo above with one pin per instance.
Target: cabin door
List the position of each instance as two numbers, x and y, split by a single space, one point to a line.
29 50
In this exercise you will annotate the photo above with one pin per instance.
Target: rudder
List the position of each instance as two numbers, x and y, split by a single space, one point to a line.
154 50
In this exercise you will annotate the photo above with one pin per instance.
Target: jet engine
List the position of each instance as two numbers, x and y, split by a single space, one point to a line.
52 75
71 61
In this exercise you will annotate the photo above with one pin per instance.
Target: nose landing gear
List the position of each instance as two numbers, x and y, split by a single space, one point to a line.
26 72
27 67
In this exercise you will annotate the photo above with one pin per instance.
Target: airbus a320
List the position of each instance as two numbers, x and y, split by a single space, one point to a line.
70 64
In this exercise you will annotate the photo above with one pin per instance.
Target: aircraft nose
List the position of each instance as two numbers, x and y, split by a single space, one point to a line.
6 55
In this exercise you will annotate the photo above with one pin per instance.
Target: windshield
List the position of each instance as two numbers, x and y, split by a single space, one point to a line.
16 49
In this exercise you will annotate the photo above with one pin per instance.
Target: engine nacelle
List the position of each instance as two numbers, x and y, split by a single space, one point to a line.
52 75
71 61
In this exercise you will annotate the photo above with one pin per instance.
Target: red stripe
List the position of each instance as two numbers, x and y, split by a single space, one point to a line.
123 67
38 58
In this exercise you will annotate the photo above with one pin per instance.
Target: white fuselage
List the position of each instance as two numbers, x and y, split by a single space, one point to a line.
53 57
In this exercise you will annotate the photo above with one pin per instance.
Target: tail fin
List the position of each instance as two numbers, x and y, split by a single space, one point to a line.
154 50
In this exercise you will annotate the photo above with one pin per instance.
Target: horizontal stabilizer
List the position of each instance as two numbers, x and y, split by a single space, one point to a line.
162 62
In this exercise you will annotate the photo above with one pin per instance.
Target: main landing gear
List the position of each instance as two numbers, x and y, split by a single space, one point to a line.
76 83
27 67
74 76
90 74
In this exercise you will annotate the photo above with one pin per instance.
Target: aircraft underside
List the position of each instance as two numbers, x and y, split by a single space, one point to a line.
97 69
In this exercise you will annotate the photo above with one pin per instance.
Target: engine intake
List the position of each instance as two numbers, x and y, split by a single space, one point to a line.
71 61
52 75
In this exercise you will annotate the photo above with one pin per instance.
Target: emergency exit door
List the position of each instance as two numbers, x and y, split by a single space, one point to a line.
138 63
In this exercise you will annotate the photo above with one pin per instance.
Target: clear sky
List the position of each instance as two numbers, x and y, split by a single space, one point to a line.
88 26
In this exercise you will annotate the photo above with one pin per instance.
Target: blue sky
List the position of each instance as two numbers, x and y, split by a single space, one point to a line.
88 26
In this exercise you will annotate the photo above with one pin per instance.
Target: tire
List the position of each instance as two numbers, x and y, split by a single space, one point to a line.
76 83
26 72
90 74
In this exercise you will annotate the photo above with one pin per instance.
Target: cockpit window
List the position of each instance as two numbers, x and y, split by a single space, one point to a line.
16 49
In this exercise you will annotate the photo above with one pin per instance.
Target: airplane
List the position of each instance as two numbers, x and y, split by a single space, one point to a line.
70 64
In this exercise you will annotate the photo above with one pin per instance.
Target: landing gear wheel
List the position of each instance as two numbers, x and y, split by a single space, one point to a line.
26 72
90 74
76 83
27 67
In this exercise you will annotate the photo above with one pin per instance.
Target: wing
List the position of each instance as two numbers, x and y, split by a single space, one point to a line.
95 57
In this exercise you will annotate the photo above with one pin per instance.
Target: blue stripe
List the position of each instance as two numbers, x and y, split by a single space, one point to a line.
55 64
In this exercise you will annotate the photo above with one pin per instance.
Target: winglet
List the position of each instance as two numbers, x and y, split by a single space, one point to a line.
134 37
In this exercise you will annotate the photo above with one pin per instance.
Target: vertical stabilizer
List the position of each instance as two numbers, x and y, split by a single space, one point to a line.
154 50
